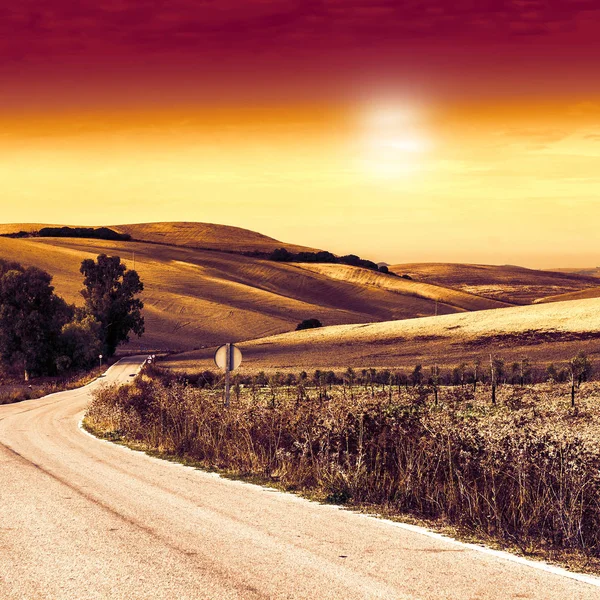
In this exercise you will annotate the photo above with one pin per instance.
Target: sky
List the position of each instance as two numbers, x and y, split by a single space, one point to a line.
417 131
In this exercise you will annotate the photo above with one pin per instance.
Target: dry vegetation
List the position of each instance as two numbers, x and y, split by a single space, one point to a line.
524 472
507 283
12 391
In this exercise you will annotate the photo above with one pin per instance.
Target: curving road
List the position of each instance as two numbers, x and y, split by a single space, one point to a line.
82 518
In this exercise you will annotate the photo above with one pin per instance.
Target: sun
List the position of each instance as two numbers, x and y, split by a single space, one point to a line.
394 142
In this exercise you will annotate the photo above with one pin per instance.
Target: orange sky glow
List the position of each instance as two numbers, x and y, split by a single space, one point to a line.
403 132
395 181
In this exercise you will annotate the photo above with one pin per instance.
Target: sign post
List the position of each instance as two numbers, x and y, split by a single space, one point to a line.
228 358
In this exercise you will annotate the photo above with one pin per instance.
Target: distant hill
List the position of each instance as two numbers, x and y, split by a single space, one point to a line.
192 235
507 283
197 297
588 271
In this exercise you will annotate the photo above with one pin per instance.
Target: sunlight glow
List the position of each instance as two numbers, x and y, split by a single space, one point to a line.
393 142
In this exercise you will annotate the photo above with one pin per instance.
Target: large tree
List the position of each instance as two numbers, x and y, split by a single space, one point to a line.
31 319
110 296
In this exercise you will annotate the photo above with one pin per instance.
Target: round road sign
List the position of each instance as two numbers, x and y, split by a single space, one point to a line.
231 362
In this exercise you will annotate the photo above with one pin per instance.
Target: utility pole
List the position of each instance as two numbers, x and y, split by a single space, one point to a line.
493 374
228 367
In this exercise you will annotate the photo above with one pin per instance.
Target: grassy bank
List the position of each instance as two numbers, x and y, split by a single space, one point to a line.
11 392
525 472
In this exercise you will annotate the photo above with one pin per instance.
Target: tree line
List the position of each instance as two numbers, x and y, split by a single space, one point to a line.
41 334
284 255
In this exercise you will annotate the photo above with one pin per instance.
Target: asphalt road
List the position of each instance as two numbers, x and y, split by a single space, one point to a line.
83 518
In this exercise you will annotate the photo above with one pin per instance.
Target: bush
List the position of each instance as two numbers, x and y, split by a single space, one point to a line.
309 324
283 255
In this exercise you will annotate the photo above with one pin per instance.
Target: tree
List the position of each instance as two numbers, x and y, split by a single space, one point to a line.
31 319
110 297
417 375
80 342
580 369
309 324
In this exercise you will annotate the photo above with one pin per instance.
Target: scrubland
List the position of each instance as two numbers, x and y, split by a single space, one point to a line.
524 472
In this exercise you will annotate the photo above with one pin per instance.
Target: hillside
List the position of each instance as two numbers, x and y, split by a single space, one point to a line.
516 285
588 271
200 298
398 285
192 235
582 295
543 332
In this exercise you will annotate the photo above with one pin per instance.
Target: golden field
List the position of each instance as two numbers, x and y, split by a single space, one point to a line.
196 299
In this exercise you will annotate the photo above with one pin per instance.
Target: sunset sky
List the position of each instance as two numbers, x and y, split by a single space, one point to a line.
464 131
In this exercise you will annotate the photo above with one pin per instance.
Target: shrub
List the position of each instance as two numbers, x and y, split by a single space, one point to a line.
309 324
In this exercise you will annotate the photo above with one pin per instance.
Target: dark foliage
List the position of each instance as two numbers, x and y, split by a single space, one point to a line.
309 324
100 233
283 255
16 235
110 296
31 319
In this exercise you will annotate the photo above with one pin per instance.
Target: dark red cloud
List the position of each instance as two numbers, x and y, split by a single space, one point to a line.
30 28
287 41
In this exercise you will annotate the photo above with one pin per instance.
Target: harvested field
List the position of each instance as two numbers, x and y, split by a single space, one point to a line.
507 283
542 332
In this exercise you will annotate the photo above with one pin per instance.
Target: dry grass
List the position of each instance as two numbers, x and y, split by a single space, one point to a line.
525 472
11 392
507 283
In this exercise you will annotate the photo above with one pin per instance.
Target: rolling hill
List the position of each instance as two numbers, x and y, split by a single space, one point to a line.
516 285
200 298
197 298
543 332
193 235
